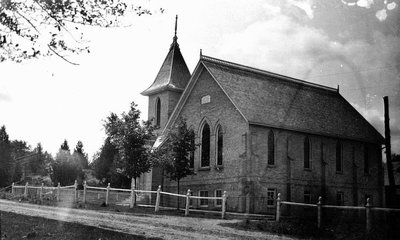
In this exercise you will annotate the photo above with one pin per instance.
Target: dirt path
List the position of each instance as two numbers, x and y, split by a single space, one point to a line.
166 227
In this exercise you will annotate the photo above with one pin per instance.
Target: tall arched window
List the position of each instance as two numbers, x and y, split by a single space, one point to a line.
158 112
271 148
205 146
220 145
307 164
339 163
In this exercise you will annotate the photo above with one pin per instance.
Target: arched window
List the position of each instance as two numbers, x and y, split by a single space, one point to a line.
339 163
205 146
307 164
158 112
271 148
220 146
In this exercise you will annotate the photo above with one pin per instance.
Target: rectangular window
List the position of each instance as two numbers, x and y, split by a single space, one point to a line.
203 202
307 196
339 160
271 197
191 199
218 193
366 163
339 198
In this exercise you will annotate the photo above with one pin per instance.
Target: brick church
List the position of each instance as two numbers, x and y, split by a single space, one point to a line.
261 133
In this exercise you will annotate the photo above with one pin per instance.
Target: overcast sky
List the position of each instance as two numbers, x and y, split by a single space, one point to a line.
354 44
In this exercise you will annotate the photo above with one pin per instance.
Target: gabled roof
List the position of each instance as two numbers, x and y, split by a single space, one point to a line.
273 100
174 73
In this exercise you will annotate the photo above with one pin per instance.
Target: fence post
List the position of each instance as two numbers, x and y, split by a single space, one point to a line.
12 189
41 192
157 208
84 191
223 205
368 216
108 193
58 191
26 190
187 203
319 207
132 203
278 208
76 191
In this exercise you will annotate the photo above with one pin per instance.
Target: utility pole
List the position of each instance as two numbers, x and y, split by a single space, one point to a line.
388 152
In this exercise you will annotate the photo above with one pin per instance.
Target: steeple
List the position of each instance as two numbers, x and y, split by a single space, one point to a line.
174 73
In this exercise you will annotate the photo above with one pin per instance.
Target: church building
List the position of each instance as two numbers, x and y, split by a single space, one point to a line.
260 133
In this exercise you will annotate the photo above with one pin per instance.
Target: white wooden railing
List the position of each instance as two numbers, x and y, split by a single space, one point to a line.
132 199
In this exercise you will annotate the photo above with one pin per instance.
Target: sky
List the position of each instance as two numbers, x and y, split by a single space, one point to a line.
351 43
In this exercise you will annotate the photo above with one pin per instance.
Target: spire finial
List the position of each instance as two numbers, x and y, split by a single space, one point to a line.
176 23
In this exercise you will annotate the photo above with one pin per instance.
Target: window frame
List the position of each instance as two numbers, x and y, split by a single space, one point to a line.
340 198
339 157
217 200
269 191
307 153
271 149
158 112
307 194
201 200
217 146
202 146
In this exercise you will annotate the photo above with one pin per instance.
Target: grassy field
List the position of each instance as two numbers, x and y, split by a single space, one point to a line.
14 226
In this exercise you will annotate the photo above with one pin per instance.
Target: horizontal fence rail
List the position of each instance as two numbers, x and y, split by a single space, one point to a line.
119 196
367 208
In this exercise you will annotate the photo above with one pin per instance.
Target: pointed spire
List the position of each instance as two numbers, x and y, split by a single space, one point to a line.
176 23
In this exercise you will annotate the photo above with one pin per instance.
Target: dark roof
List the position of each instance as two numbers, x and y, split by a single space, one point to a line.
174 73
274 100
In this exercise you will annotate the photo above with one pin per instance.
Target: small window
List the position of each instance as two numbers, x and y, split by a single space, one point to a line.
205 146
203 202
191 156
307 196
307 164
218 193
220 146
366 163
339 198
271 148
205 99
271 197
191 199
339 160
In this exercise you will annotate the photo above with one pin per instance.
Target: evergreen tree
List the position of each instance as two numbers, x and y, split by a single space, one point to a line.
6 161
103 165
64 146
80 155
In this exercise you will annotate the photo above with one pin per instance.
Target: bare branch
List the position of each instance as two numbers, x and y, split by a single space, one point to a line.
61 56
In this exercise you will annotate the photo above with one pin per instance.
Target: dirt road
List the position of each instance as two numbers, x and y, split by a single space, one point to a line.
166 227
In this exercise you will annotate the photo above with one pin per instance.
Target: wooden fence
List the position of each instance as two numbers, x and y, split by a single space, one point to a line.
133 196
367 208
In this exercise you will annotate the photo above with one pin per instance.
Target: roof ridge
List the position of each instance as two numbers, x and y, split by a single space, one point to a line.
264 72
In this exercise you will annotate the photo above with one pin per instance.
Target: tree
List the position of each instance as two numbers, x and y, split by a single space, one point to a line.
6 161
130 138
103 164
66 168
64 146
81 155
29 28
174 154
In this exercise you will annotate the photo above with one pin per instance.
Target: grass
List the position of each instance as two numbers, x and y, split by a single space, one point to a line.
15 226
308 229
